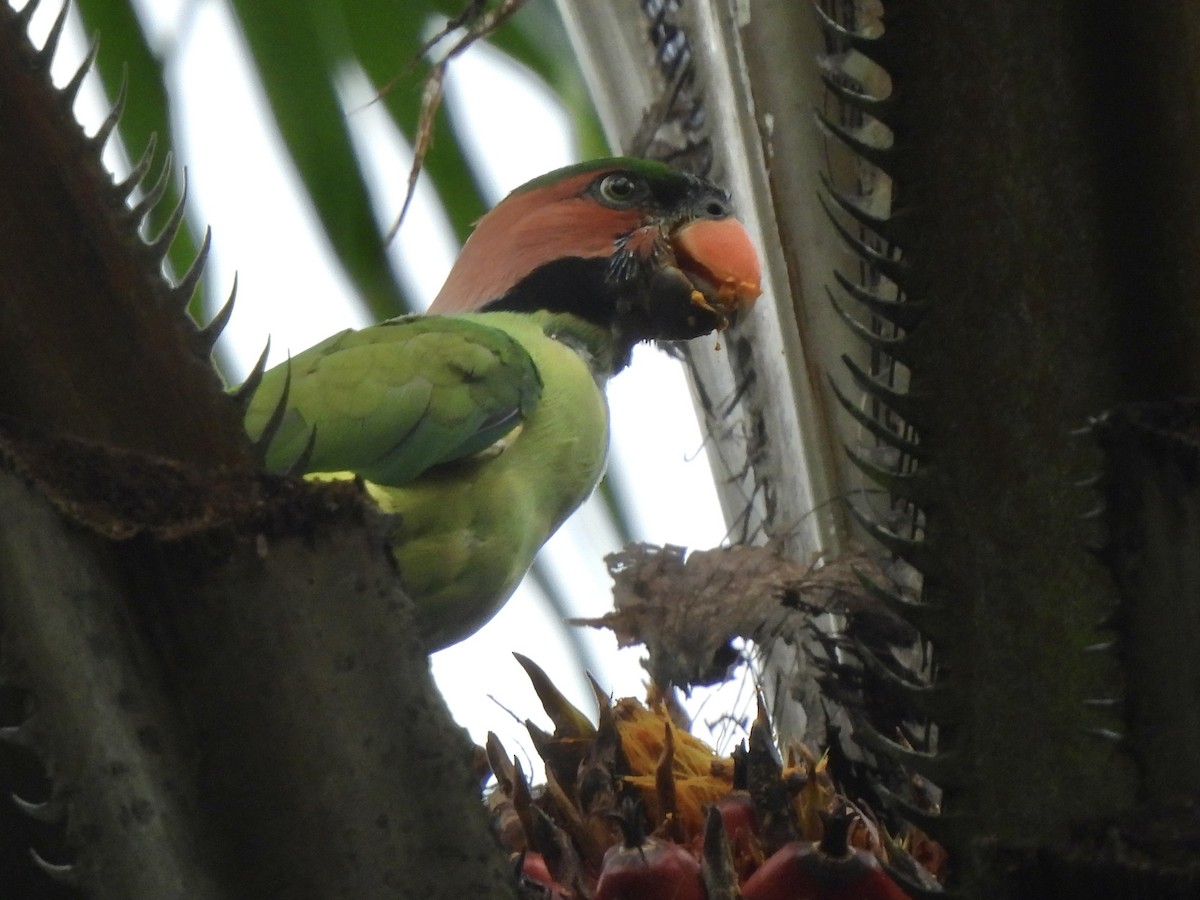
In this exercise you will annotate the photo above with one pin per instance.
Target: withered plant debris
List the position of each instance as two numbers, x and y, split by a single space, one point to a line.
686 608
120 494
478 22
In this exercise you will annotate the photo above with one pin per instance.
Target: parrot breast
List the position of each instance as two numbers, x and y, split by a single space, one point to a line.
467 531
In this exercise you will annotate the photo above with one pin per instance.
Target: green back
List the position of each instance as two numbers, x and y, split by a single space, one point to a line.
390 401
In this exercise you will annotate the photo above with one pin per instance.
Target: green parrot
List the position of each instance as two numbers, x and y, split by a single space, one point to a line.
483 425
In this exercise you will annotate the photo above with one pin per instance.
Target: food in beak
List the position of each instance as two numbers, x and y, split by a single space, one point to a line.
719 260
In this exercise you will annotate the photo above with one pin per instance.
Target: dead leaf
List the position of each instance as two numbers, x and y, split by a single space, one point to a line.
479 22
687 608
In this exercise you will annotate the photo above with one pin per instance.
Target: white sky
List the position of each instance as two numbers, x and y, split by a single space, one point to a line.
289 287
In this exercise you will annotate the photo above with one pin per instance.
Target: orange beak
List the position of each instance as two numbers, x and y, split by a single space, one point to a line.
719 260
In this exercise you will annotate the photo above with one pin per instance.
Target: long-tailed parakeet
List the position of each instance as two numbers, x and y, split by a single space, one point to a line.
483 425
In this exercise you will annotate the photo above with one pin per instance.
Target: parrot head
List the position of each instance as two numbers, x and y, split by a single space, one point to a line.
638 247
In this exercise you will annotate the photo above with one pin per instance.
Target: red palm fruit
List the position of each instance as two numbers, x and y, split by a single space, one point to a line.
828 870
741 828
647 868
533 867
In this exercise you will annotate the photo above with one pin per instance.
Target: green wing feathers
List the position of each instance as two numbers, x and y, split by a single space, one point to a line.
390 401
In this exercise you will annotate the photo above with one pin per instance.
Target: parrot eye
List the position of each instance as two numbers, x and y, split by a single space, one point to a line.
618 189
